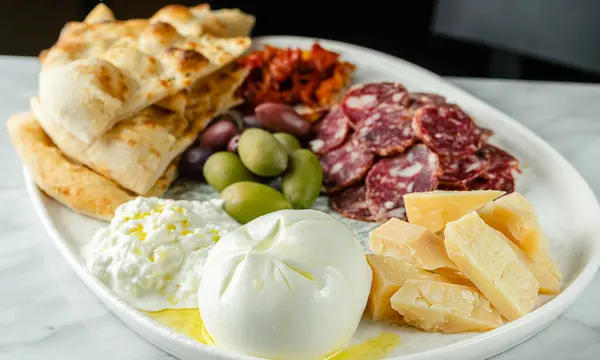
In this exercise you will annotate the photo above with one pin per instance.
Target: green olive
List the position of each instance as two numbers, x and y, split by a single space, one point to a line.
245 201
289 142
302 181
262 153
224 168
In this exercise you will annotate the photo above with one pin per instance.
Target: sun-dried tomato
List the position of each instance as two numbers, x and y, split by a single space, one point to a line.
323 59
332 87
283 64
293 76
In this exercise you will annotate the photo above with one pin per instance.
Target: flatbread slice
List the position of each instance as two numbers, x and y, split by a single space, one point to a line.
98 74
136 152
233 22
101 13
68 182
200 20
191 104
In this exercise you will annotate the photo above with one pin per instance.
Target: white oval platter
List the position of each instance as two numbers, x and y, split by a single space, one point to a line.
567 208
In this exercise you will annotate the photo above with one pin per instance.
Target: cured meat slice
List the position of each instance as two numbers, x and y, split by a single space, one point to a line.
345 166
387 131
361 99
485 133
330 132
498 159
495 180
499 174
352 203
453 187
447 130
415 170
463 170
418 100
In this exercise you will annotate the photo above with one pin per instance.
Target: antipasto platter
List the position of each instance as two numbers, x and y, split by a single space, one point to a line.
294 198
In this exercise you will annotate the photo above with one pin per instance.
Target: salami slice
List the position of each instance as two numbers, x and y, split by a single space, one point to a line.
361 99
495 180
499 174
352 203
418 100
330 132
453 187
387 131
463 170
345 166
485 134
415 170
447 130
498 159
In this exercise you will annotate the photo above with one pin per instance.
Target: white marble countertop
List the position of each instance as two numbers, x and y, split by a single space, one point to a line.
47 313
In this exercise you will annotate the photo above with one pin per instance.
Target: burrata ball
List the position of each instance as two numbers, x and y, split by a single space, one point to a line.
292 284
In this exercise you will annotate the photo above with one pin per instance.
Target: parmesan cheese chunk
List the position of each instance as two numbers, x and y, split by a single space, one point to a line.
434 209
416 244
442 307
389 274
516 218
484 256
549 284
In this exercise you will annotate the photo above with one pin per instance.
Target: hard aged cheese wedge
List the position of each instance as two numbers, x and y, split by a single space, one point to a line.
549 284
516 218
442 307
389 274
489 262
416 244
434 209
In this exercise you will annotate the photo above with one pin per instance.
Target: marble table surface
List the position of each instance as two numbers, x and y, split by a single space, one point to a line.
47 313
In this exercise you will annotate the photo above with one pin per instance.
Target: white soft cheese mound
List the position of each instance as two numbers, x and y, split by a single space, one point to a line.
292 284
153 252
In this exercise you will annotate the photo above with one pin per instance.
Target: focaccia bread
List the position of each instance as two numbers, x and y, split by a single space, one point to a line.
135 152
100 73
63 179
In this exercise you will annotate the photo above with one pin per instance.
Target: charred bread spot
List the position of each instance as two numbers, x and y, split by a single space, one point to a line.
188 60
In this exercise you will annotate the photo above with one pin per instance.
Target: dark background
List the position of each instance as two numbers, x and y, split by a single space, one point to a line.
522 39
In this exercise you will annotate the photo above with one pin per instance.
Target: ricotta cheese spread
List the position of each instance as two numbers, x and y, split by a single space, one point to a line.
153 252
